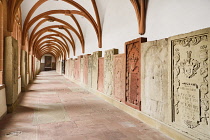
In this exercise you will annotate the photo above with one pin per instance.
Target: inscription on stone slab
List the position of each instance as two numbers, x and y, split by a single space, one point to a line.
72 69
190 81
90 60
81 69
119 77
109 71
133 96
189 100
85 75
154 79
101 74
77 69
95 57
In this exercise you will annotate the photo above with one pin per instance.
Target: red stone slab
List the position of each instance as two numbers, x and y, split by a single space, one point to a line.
119 77
77 69
85 70
101 74
133 73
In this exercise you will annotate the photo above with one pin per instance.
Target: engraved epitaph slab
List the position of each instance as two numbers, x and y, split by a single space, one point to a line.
154 79
119 77
190 82
109 71
77 69
85 75
72 69
90 60
81 69
101 74
132 83
95 57
11 70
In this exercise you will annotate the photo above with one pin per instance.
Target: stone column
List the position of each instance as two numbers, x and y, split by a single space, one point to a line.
11 72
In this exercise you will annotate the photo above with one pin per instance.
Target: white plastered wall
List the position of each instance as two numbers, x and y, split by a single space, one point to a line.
165 18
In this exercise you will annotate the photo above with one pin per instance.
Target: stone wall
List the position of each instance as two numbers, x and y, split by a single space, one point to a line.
109 71
167 80
154 78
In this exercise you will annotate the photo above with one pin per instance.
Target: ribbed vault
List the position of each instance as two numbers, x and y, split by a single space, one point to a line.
50 34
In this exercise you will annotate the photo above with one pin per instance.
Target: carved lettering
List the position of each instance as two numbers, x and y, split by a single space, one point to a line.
189 81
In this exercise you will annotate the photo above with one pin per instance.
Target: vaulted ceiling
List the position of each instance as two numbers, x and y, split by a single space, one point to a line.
55 25
59 26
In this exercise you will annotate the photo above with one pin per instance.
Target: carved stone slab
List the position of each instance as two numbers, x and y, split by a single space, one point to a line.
66 68
81 68
109 71
77 69
85 75
72 68
101 74
190 70
154 79
133 77
119 77
90 62
11 70
95 57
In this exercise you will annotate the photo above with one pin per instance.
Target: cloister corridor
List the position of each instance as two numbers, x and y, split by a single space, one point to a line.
54 108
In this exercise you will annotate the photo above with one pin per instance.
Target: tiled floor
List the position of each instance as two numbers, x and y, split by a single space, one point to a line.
56 109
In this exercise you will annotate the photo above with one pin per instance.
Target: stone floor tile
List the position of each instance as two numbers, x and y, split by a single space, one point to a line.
55 108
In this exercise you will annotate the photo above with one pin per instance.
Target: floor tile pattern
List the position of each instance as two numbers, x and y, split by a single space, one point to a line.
54 108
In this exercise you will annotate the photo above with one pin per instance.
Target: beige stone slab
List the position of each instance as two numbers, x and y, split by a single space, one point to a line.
109 71
11 69
95 56
189 87
49 113
90 62
154 82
